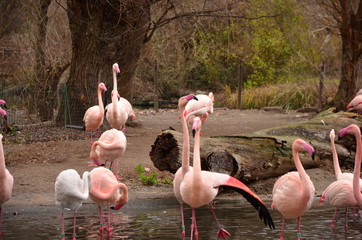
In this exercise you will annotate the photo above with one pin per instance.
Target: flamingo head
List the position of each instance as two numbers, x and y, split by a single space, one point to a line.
351 129
196 126
102 86
116 68
332 135
300 145
2 102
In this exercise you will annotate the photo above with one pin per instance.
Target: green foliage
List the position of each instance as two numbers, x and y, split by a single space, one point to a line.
287 96
150 179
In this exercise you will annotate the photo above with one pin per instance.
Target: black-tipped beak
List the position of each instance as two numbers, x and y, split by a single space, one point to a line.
196 98
6 118
313 156
193 133
5 106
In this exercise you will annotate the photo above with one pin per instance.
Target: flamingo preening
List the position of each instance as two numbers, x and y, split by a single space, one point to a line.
199 188
6 181
70 192
179 175
109 147
105 192
294 191
93 117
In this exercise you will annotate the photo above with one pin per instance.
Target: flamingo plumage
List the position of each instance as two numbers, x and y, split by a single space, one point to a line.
294 191
93 117
70 192
201 107
105 192
199 188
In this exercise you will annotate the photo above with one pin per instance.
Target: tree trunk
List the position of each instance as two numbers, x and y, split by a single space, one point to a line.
103 32
351 34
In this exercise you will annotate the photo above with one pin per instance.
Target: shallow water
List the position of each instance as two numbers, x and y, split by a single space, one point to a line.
159 219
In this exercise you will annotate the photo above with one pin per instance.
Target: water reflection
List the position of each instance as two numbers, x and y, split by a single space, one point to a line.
162 221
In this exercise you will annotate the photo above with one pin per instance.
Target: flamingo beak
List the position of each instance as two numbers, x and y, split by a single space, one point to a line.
193 133
118 206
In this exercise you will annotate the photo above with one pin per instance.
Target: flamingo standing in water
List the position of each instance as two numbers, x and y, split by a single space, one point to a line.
185 165
6 180
109 147
199 188
119 110
338 193
105 191
70 192
294 191
202 107
93 117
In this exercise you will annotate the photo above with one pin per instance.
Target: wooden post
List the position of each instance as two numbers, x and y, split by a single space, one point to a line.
321 84
240 84
155 104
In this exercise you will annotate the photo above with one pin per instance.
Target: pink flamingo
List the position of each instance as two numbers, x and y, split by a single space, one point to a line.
336 194
109 147
119 110
199 188
105 191
3 113
355 130
355 104
202 107
185 165
93 117
294 191
70 192
6 180
2 102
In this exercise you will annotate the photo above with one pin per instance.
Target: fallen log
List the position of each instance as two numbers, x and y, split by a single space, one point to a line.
260 155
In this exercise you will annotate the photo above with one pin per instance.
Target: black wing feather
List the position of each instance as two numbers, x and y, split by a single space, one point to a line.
259 206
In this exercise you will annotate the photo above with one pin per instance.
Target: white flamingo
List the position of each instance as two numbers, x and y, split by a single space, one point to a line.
70 192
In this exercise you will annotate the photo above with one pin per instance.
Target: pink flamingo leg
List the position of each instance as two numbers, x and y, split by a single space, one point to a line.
282 231
101 220
62 223
222 233
194 226
334 218
182 221
299 235
74 223
109 220
346 218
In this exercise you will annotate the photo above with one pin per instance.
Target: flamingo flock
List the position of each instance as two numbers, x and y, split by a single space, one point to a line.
292 194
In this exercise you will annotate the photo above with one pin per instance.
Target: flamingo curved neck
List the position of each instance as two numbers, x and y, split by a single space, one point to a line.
105 196
337 169
100 102
85 187
196 159
357 170
124 197
302 173
2 160
186 145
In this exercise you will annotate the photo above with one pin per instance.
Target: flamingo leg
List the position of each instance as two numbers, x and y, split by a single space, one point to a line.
74 224
101 219
282 230
109 219
194 225
334 218
62 235
0 220
222 233
346 218
182 221
299 235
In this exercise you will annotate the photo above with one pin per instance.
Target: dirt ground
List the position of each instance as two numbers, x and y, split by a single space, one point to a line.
47 151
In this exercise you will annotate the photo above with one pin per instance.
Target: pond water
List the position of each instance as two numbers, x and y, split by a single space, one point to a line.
159 219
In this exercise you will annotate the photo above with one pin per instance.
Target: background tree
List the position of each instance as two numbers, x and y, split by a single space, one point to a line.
348 17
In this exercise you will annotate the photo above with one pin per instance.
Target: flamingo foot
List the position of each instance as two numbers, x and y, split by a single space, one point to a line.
92 165
222 233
